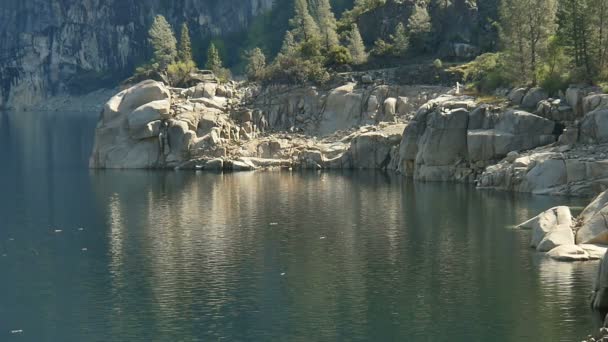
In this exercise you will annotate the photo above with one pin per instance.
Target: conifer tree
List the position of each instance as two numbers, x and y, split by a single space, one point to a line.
304 26
214 62
289 44
356 46
327 24
256 63
401 41
525 32
583 30
163 42
185 45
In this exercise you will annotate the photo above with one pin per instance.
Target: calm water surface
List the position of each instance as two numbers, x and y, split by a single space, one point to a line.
182 256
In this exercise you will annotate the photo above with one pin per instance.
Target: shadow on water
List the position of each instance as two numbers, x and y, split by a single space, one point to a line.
91 255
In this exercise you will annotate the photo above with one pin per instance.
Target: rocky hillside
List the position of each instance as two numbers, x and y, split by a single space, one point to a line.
50 46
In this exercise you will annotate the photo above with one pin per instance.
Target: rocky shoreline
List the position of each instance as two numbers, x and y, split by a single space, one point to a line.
521 142
424 132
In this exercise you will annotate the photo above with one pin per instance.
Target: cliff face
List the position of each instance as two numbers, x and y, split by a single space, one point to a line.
50 46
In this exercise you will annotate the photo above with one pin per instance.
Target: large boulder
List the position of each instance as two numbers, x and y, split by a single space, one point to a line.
575 95
513 131
595 101
523 123
342 109
561 235
111 109
516 95
127 134
207 90
594 127
180 138
595 222
555 110
147 113
373 150
449 140
141 94
551 220
445 139
533 97
546 174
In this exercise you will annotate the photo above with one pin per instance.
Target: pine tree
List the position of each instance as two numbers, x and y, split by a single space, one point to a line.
163 42
304 26
583 29
214 62
256 63
525 32
185 45
356 46
401 41
327 24
289 44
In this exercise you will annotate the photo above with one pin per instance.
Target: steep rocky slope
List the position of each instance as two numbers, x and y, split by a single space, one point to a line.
50 46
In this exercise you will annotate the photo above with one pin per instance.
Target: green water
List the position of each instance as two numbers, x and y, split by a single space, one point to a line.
291 256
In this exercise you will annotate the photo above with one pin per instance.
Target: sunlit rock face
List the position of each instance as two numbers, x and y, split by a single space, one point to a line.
53 46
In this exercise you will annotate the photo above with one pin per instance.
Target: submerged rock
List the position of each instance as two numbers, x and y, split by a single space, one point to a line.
568 253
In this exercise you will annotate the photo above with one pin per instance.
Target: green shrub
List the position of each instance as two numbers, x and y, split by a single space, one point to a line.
339 55
255 64
382 48
293 69
486 73
178 72
555 82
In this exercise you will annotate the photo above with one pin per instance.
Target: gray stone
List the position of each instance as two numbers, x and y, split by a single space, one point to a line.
390 109
594 127
533 97
206 90
150 130
595 222
594 102
141 94
516 95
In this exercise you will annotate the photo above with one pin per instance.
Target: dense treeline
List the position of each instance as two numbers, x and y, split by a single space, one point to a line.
524 42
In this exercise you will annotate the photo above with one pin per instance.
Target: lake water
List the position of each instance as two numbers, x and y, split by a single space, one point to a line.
278 256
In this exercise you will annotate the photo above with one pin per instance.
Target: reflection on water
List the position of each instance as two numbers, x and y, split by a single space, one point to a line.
183 256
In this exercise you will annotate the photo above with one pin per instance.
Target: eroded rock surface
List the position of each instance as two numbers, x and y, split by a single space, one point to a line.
229 127
454 139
